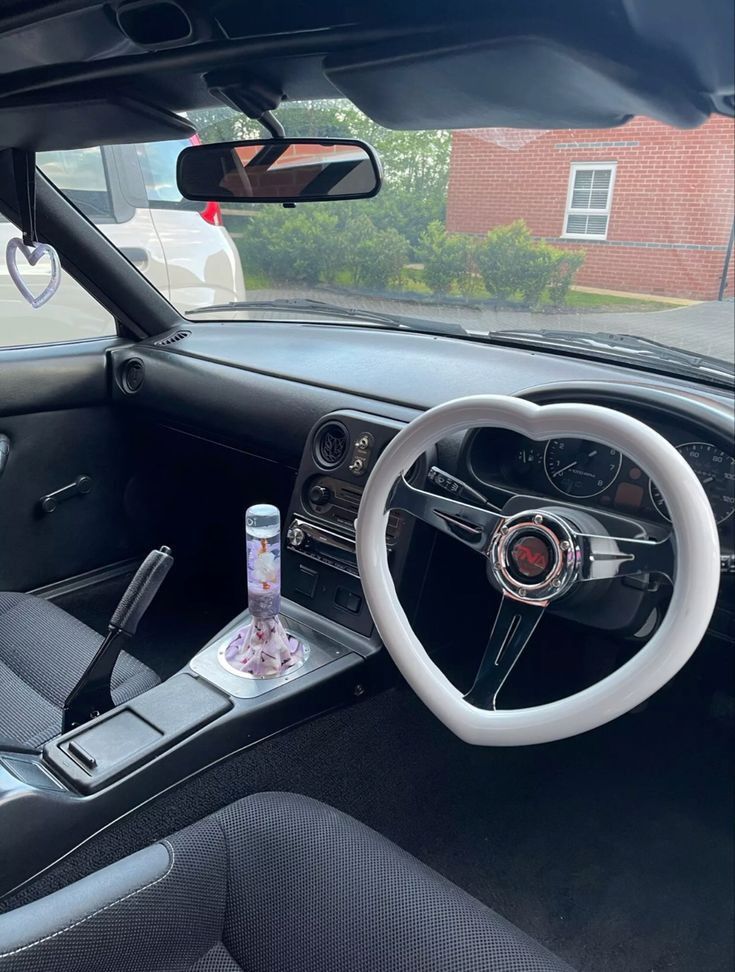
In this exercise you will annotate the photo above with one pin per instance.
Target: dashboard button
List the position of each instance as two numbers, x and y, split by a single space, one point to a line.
348 600
306 581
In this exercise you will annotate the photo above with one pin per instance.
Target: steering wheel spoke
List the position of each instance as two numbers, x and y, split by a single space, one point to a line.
471 525
604 557
516 621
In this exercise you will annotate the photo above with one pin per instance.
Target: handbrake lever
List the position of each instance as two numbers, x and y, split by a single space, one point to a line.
91 695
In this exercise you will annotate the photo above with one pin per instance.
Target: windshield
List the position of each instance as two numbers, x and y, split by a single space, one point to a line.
547 235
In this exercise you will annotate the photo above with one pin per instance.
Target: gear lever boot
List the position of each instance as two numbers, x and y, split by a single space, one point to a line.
262 648
91 695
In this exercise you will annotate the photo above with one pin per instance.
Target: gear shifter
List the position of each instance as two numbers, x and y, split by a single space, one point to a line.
91 695
262 648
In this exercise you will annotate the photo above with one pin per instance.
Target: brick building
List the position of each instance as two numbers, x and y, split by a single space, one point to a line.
652 206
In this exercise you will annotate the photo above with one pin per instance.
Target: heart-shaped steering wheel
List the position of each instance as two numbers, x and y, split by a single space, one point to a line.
535 557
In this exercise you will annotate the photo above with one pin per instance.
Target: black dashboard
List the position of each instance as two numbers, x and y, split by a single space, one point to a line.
268 389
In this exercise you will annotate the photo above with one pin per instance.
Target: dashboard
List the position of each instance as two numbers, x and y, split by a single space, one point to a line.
271 390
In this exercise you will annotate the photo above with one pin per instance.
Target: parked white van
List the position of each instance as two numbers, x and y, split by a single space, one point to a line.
130 193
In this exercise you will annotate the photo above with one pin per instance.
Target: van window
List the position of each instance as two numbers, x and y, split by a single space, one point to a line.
82 176
158 162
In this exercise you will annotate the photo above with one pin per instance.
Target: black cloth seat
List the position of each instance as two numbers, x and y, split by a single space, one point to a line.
43 653
273 883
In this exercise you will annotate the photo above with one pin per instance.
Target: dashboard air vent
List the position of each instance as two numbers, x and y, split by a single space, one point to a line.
330 445
132 375
172 339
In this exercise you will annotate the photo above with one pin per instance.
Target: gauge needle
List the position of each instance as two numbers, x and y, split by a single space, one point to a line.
564 468
707 480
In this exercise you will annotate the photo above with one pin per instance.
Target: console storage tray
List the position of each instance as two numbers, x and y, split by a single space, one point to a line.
114 744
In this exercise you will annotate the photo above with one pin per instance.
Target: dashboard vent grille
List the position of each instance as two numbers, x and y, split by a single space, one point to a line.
330 445
172 339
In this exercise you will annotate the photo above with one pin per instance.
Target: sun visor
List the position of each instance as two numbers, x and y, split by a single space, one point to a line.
64 122
523 82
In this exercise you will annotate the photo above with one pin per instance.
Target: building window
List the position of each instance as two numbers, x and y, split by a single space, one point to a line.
588 200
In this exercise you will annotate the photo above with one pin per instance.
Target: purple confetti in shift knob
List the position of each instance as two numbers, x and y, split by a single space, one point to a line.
263 648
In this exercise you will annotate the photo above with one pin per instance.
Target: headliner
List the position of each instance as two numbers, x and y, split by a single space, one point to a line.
78 72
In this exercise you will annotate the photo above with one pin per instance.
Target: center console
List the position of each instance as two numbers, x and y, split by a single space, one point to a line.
319 561
100 770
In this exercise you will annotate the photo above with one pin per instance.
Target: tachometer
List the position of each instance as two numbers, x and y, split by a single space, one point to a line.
715 471
578 467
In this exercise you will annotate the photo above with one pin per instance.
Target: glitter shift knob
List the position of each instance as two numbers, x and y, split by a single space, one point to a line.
262 648
263 541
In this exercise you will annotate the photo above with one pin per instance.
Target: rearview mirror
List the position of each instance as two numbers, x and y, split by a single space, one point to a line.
279 170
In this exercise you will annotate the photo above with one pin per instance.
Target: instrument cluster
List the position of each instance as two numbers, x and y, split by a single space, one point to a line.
590 474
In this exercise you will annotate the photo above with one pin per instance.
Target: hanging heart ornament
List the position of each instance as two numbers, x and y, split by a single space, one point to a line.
33 253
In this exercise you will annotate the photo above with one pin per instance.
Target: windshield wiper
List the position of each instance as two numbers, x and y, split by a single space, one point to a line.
652 350
309 305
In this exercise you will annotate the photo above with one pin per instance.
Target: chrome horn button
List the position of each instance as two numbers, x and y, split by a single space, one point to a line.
534 556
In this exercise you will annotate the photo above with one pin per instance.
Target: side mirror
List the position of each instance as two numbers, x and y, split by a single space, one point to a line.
279 170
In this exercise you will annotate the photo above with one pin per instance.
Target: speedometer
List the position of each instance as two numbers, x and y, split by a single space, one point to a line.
715 471
578 467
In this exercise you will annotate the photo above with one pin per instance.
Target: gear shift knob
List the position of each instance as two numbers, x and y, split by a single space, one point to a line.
263 542
262 648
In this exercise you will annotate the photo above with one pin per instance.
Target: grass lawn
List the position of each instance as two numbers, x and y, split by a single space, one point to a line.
256 281
585 301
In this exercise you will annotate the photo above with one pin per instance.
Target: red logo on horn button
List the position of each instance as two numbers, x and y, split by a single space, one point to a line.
530 555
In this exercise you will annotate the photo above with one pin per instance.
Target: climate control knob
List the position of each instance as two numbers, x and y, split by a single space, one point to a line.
319 495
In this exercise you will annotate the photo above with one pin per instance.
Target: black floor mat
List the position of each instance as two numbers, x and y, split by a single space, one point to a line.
614 849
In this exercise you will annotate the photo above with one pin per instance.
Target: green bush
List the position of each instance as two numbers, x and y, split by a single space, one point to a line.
567 265
408 212
447 258
292 244
374 257
514 266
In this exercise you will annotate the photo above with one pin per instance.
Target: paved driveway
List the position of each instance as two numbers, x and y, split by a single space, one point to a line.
708 327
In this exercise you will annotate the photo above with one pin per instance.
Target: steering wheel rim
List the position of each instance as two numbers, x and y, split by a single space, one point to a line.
695 581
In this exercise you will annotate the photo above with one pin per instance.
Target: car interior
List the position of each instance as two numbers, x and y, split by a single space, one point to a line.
333 641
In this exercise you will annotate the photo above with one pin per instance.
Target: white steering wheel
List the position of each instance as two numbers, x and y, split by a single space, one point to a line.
535 557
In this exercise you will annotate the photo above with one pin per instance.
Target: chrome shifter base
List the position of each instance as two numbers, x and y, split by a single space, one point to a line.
206 664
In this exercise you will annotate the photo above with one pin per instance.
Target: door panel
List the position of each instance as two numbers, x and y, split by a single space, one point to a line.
57 425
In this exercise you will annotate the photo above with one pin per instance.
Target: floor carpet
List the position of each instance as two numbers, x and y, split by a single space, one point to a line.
614 849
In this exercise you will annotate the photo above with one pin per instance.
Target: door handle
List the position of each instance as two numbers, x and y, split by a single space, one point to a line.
80 487
136 254
4 452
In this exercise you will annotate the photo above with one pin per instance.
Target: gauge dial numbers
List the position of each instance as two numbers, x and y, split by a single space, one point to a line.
716 472
528 458
579 467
